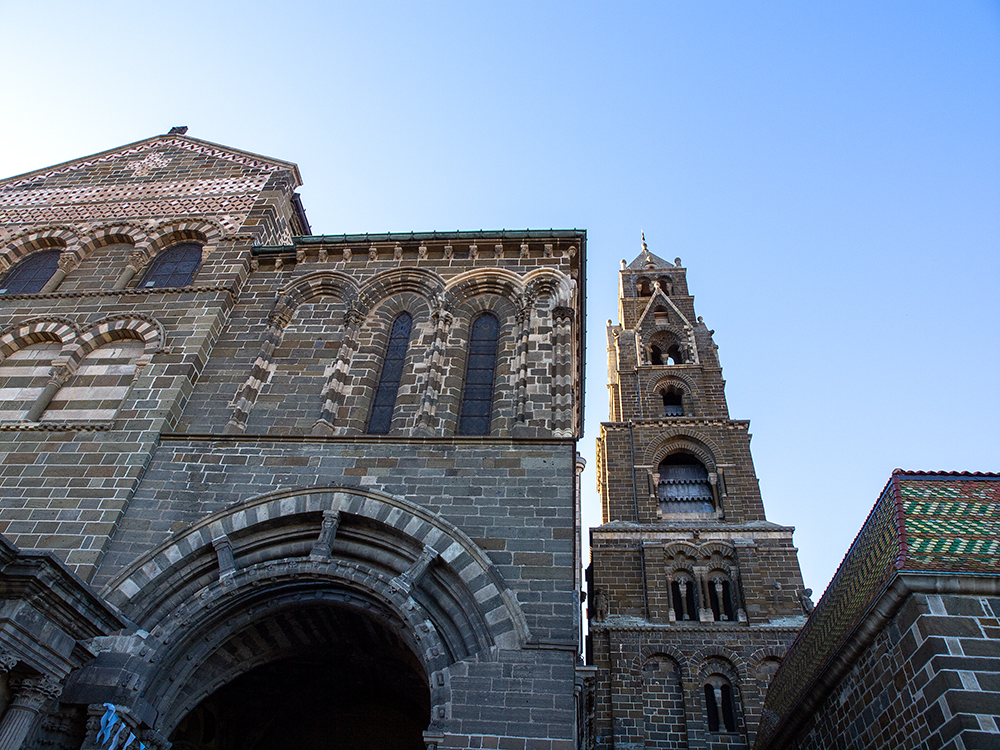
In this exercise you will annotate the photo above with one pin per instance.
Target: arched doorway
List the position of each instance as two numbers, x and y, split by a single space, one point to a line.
341 676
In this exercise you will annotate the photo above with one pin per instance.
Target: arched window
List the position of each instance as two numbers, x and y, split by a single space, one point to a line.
173 267
660 316
683 485
682 595
673 402
477 399
720 598
720 708
642 287
392 373
30 275
100 383
23 376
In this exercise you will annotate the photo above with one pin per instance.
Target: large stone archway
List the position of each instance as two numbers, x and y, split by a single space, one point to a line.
339 676
351 602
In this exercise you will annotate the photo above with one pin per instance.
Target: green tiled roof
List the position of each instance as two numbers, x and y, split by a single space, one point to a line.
922 522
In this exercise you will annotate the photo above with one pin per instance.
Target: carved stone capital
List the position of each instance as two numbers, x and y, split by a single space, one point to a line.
7 661
136 260
34 692
67 262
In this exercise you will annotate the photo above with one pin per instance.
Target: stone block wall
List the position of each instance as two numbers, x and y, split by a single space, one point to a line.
929 680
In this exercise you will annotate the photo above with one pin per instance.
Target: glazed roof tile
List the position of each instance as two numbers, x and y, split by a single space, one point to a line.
924 522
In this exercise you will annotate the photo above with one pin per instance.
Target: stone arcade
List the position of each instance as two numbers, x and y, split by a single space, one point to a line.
268 489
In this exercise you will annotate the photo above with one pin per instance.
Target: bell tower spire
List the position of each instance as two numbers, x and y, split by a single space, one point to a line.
691 585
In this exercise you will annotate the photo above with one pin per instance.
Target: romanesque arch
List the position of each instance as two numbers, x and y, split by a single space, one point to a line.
332 555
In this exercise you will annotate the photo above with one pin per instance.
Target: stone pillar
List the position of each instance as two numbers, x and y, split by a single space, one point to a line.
224 551
562 381
30 694
67 262
336 384
58 375
435 375
259 372
521 360
406 580
136 260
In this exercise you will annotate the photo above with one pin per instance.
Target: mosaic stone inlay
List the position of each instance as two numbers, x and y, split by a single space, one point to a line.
932 523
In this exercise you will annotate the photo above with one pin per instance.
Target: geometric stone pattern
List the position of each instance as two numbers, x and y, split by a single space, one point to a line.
882 630
199 455
686 596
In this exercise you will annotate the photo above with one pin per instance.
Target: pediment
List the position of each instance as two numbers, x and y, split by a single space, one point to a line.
161 158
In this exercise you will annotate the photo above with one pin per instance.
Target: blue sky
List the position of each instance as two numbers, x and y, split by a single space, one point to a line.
828 172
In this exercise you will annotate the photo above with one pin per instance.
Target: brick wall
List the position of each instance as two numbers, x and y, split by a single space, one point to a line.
930 679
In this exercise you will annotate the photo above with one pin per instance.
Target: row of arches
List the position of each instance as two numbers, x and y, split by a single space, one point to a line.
52 370
700 699
408 350
703 583
147 239
44 270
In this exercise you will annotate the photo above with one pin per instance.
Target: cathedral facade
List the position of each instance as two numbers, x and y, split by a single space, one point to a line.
694 596
264 488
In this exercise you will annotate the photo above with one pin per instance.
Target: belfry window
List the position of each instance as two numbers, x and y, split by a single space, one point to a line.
673 403
720 599
683 485
392 374
173 267
720 707
477 399
30 275
643 287
682 590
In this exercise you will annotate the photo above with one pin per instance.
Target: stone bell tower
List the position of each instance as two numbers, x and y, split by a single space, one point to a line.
694 594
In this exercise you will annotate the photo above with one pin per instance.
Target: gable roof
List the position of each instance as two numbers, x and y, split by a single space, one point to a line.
185 142
937 523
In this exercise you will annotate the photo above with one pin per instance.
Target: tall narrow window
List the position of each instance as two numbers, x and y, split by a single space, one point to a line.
173 267
477 400
720 708
30 275
720 596
392 373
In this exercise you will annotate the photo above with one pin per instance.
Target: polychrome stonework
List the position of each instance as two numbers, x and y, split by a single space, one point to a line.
236 553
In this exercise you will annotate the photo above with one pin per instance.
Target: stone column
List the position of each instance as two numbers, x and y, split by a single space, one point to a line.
562 381
30 694
258 373
67 262
61 372
521 360
136 260
428 403
336 384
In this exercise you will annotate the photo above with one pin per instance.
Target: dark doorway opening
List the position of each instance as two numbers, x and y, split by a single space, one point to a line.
363 693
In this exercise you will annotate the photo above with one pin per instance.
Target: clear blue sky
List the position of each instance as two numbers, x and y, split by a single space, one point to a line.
828 172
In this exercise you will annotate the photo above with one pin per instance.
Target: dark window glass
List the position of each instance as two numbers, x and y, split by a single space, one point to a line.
30 275
728 708
673 405
392 373
712 709
477 399
721 610
173 267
